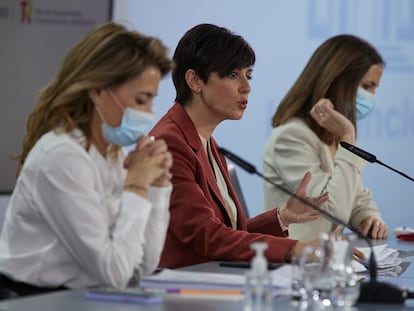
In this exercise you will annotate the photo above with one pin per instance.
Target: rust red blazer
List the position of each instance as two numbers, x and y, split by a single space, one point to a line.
200 228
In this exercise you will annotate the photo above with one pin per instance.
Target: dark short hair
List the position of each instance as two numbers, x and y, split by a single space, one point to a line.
207 48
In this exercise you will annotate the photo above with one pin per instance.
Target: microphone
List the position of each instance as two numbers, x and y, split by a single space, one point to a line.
372 291
370 157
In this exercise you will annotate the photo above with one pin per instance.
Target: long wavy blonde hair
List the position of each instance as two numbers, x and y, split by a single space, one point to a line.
108 56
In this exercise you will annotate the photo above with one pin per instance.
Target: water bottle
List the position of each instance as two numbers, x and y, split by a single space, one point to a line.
331 282
258 287
346 285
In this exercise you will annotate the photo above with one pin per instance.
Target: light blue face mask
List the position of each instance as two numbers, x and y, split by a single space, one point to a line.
365 103
134 124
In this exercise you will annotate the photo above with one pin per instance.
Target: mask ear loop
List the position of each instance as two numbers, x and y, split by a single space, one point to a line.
100 113
98 110
116 100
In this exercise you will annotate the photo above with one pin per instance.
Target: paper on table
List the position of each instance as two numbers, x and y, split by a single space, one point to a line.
205 294
358 267
385 257
170 279
377 250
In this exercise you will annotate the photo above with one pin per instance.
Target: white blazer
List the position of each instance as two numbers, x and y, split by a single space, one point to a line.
293 149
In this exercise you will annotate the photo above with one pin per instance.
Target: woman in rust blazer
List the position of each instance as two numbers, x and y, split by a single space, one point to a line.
212 70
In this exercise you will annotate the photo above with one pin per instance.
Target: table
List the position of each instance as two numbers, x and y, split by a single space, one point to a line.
74 300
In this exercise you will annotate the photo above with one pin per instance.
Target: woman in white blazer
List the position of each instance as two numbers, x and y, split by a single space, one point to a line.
335 89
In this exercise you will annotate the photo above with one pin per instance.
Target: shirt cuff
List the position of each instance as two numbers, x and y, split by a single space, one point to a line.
160 196
133 207
284 228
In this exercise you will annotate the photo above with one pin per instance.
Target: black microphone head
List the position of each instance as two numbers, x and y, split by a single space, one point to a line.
359 152
223 151
238 161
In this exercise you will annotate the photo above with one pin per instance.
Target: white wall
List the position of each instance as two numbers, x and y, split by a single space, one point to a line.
34 41
4 200
284 33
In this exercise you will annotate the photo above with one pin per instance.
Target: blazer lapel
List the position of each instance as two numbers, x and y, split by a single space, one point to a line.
183 121
241 218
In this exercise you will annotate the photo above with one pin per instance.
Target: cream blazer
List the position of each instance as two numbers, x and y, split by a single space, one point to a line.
293 149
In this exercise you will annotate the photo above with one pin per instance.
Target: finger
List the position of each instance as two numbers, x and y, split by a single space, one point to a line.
306 217
358 254
144 141
157 147
168 160
385 232
338 229
365 226
166 163
382 231
318 115
166 175
301 190
314 114
322 199
327 105
375 228
127 160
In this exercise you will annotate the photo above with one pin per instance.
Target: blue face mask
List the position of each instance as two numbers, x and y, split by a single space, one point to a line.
365 103
134 124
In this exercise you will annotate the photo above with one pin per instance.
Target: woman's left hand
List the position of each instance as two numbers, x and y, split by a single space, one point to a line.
374 228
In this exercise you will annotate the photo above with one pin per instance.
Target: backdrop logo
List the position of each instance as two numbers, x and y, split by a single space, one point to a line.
387 24
26 12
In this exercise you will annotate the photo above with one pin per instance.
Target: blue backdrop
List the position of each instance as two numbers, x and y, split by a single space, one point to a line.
284 34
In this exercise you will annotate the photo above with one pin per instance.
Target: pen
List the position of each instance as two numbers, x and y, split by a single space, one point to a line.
242 264
207 292
204 294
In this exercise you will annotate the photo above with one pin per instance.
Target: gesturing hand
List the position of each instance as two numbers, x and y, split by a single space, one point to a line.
298 212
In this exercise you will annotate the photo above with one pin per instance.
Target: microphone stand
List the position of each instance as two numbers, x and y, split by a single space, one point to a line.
372 291
370 158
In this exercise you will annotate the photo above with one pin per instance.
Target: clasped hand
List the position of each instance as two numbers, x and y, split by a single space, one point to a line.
149 163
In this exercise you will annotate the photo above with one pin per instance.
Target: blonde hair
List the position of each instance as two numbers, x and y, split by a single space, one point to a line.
107 56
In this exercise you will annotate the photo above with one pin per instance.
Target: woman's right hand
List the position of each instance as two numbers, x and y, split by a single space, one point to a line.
297 250
324 113
149 163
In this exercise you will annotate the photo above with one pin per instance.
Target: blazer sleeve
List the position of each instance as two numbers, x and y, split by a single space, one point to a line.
267 223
